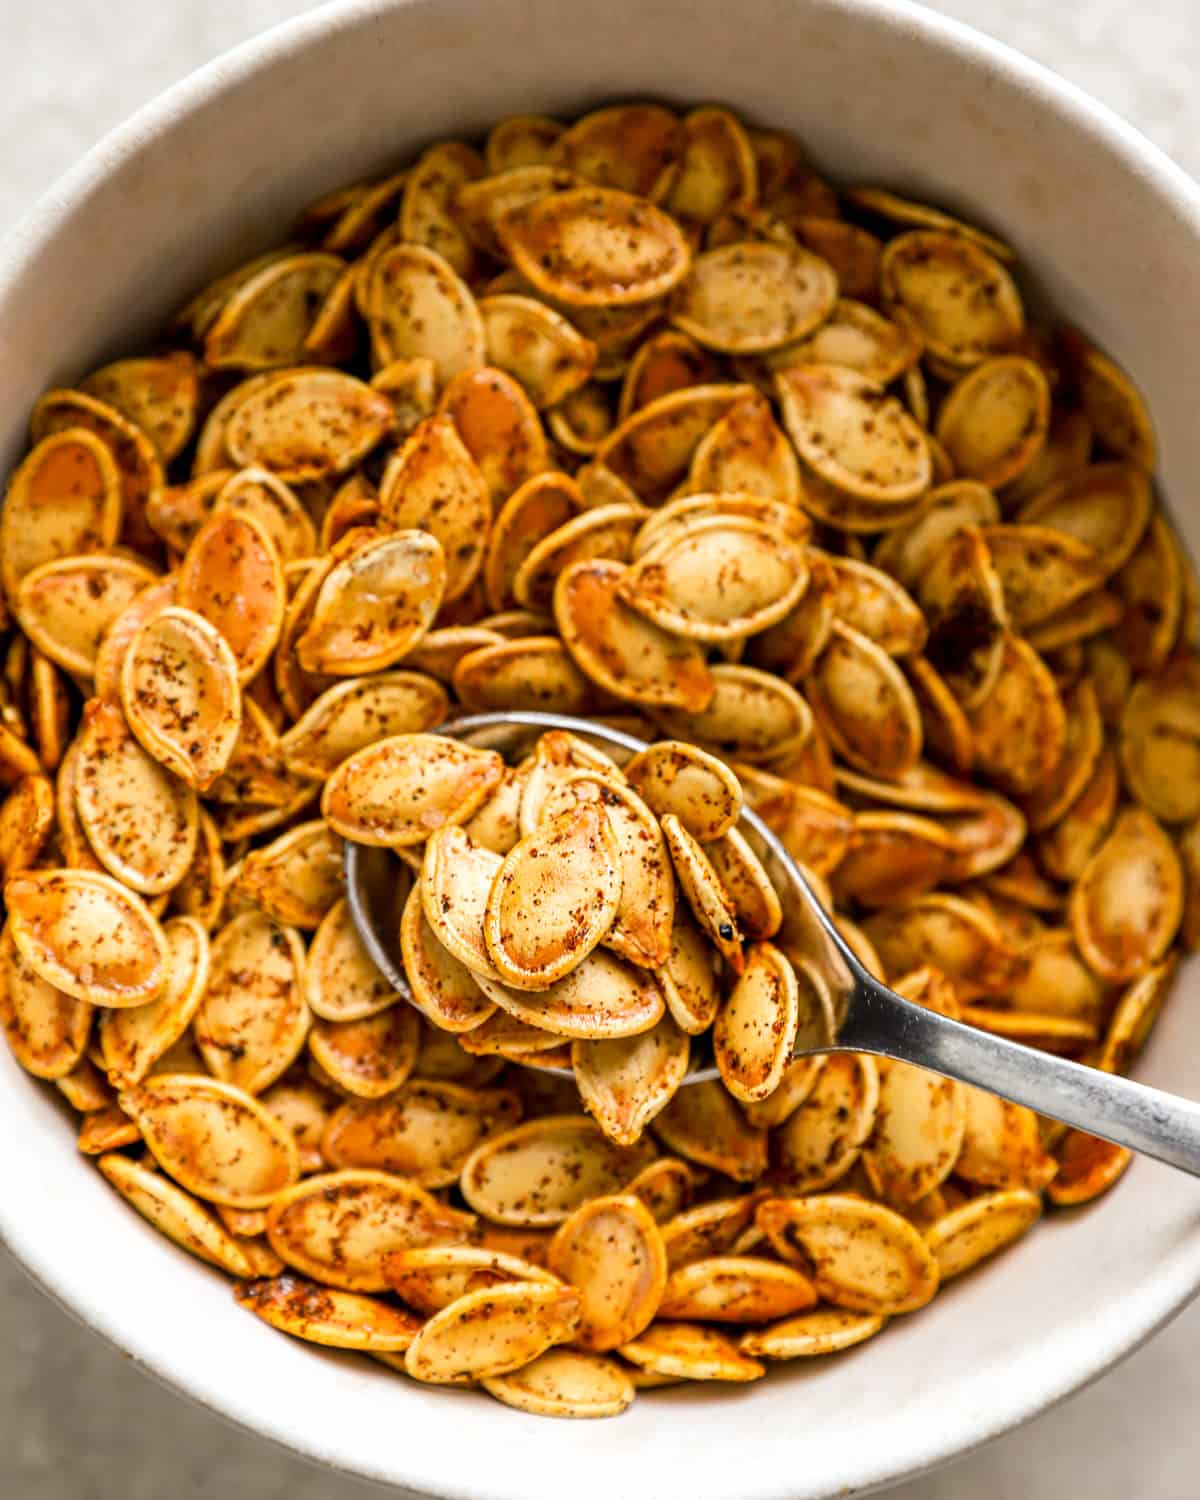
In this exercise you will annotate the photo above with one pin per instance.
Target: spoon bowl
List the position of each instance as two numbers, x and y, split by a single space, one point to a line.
855 1012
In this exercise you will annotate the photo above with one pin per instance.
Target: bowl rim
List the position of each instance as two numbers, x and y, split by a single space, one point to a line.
1150 1305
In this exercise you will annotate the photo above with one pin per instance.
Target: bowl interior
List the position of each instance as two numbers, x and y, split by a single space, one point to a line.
1109 233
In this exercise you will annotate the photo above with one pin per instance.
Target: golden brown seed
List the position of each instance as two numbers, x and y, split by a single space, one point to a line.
425 1130
214 1139
493 1331
397 792
863 1256
612 1252
339 1227
86 934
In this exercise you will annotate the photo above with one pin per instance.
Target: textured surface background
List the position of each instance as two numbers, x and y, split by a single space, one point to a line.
76 1422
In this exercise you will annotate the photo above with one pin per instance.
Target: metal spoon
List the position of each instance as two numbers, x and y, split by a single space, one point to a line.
865 1016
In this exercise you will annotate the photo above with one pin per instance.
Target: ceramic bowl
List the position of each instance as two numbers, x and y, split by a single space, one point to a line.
1109 232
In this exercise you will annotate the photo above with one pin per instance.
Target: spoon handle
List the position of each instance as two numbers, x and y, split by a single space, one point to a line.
1130 1114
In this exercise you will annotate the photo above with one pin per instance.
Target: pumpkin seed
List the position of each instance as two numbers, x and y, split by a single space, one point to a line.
907 551
688 978
141 821
752 716
673 520
232 576
602 997
665 1187
894 857
702 889
180 693
339 1227
66 607
307 423
26 822
425 1130
675 777
254 1019
981 1227
493 1331
46 1028
746 453
853 435
822 1138
663 363
159 395
430 1277
1041 571
1126 905
1001 1146
536 346
357 712
619 650
1134 1017
962 598
564 1383
947 933
1081 752
755 1029
1160 742
595 247
319 1315
176 1213
736 1289
539 1173
1087 1167
214 1139
826 1331
610 1249
864 1257
297 878
532 672
994 420
857 337
864 704
625 1082
133 1040
1020 727
1150 585
397 792
962 299
537 508
634 147
1113 404
138 466
370 1058
264 323
717 170
374 605
442 987
110 656
689 1351
652 449
521 140
753 296
724 579
641 929
1105 506
875 605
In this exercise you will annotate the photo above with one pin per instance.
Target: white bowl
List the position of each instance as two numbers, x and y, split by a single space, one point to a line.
888 93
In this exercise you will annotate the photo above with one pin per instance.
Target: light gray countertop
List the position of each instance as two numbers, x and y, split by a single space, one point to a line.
76 1422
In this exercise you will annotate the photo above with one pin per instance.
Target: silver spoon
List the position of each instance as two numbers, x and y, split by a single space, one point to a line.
864 1016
